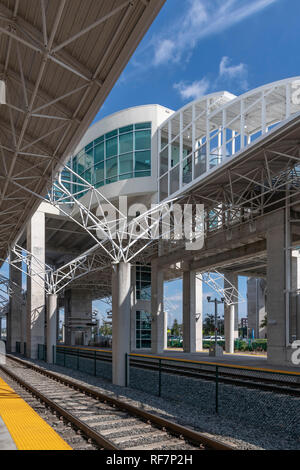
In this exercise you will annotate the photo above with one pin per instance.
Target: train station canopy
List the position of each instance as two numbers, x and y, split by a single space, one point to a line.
59 59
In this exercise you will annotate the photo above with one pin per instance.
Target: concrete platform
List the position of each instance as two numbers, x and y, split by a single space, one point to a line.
21 428
244 360
238 359
6 441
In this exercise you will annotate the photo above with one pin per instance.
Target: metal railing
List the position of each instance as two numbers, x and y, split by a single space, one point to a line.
257 395
96 362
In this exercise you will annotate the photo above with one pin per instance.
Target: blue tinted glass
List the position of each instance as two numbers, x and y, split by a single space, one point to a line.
123 130
99 139
143 160
111 147
111 134
140 174
111 167
143 125
89 146
142 140
99 172
126 142
99 153
126 163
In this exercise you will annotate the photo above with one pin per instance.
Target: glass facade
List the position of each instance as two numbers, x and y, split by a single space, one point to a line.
143 282
143 330
121 154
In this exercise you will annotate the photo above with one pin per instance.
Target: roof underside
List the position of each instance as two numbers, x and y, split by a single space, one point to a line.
59 60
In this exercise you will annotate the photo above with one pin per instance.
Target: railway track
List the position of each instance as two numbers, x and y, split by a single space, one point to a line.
241 378
108 422
259 380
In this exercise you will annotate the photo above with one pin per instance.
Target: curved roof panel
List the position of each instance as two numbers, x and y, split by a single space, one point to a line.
59 60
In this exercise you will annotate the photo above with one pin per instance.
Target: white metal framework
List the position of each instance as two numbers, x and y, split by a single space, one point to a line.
58 60
209 131
8 289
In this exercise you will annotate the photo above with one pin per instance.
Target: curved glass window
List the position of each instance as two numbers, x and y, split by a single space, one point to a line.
121 154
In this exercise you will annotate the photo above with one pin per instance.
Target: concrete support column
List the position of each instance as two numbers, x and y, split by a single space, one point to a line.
229 328
0 327
78 313
256 306
14 316
158 332
51 326
295 297
276 301
121 307
230 314
192 312
35 315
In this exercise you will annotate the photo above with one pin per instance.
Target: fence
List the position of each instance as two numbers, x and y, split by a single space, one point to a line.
259 397
95 362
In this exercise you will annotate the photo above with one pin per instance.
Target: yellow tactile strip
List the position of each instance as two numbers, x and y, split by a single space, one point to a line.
28 430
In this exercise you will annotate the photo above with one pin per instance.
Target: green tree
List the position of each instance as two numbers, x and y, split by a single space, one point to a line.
264 322
105 329
209 325
176 328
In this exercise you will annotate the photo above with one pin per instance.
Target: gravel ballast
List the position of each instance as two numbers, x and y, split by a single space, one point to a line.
188 403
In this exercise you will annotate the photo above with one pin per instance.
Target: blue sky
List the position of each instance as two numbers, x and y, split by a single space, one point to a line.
200 46
196 47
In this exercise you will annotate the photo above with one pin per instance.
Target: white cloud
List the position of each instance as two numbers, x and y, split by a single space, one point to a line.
232 71
201 18
193 90
164 51
228 75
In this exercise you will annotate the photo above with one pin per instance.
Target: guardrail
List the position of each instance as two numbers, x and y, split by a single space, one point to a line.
257 395
96 362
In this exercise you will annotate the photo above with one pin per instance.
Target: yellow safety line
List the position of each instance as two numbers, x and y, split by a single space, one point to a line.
84 349
233 366
199 362
28 430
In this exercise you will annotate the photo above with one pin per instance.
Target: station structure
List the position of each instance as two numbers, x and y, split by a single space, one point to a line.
80 204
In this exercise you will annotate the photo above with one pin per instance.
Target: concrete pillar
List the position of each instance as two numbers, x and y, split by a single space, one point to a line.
295 297
230 314
229 328
35 315
78 313
276 306
121 307
256 307
0 327
158 335
14 315
51 326
192 312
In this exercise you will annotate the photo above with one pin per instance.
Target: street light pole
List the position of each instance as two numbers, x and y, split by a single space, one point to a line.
216 302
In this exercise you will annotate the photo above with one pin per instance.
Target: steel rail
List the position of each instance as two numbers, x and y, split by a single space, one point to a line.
244 380
258 383
87 430
167 425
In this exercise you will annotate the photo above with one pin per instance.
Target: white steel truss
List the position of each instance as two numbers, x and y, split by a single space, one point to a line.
57 65
8 289
218 126
222 286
